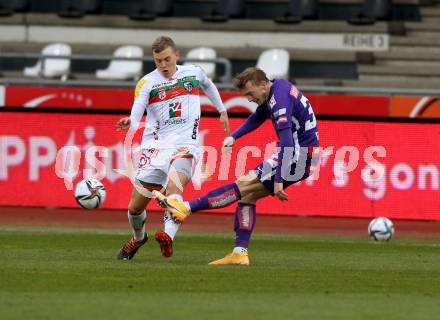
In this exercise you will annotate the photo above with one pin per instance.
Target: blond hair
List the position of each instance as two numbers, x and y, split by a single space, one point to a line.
161 43
254 75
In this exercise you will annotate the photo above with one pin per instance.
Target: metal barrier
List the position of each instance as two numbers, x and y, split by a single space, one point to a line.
226 77
224 84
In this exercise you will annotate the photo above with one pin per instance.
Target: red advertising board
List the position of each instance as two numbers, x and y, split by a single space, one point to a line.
349 105
89 98
415 107
81 98
408 187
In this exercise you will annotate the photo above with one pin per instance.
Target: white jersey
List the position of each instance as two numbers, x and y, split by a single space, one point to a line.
172 106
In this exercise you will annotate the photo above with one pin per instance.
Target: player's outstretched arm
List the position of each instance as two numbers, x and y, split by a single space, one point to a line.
141 95
123 124
213 94
255 120
224 121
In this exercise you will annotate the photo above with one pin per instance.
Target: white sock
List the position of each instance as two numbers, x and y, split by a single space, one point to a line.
137 224
169 226
186 203
239 250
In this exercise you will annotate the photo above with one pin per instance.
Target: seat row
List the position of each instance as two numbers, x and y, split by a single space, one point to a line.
127 63
288 11
53 67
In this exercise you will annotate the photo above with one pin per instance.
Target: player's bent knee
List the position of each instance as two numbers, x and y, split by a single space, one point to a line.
251 187
255 195
249 198
137 205
136 210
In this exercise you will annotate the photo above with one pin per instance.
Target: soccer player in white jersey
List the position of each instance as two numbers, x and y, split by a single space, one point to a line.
170 142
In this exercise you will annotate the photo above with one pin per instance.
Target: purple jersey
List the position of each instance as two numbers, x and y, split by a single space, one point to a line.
289 108
294 122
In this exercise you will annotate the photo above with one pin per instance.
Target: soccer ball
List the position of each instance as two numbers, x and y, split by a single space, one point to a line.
381 229
90 193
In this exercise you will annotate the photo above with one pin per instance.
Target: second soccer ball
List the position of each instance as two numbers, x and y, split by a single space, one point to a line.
381 229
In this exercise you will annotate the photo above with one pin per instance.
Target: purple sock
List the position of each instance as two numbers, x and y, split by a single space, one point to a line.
245 216
217 198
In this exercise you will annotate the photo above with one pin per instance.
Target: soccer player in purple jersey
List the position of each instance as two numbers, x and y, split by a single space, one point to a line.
295 124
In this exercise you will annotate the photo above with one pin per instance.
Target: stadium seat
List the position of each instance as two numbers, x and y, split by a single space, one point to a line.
150 9
77 8
53 67
203 53
8 7
371 11
298 10
226 9
275 63
123 69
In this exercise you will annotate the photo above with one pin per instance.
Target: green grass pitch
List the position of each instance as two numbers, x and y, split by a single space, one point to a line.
73 274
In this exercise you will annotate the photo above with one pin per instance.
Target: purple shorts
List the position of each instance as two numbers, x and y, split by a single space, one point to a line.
294 172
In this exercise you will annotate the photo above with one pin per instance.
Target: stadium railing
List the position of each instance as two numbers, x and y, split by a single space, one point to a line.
225 78
227 86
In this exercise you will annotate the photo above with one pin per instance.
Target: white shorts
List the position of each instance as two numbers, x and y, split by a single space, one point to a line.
154 165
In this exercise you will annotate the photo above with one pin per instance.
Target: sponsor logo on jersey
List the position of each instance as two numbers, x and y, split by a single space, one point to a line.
163 84
196 125
188 78
175 114
175 110
144 161
294 91
156 130
188 86
272 102
162 94
175 121
280 112
282 119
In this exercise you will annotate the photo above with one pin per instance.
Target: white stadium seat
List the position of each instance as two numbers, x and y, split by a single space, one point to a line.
275 63
123 69
203 53
52 67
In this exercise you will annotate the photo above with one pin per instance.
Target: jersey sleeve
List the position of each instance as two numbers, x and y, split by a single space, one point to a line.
210 90
255 120
141 97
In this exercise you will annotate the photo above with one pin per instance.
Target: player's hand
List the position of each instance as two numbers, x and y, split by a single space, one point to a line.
279 192
123 124
227 144
224 121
